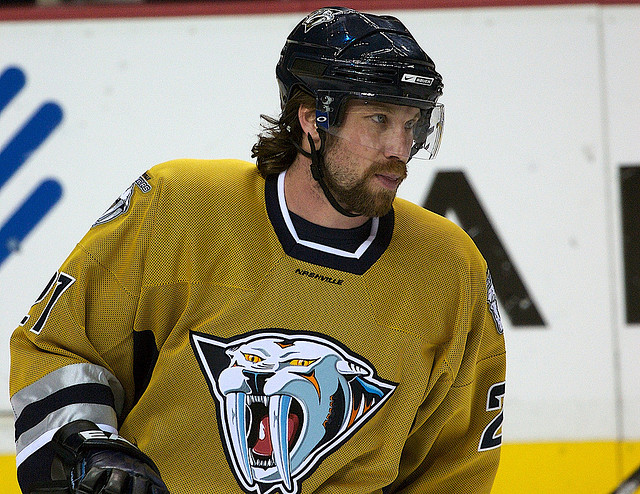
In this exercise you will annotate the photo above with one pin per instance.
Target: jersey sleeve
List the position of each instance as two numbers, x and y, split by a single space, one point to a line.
454 444
72 356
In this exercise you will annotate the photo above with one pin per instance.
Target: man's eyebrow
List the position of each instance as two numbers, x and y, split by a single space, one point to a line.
374 105
377 105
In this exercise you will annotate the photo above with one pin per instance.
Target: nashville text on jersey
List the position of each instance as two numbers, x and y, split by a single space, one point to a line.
320 277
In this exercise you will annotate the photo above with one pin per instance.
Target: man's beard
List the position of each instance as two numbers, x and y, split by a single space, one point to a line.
359 194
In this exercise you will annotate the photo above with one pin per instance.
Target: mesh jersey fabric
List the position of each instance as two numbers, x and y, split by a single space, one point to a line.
182 322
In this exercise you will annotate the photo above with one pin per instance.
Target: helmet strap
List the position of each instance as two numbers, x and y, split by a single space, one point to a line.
317 171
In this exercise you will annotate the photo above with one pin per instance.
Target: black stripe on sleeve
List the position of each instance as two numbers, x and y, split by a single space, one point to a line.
90 393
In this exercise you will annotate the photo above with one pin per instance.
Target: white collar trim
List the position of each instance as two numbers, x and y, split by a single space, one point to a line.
314 245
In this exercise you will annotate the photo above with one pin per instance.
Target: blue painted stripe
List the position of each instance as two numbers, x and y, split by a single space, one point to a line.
12 80
28 138
27 216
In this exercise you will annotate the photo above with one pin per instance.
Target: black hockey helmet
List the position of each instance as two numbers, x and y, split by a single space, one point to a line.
337 53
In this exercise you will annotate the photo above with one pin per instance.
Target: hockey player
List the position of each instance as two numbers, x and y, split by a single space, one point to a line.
287 328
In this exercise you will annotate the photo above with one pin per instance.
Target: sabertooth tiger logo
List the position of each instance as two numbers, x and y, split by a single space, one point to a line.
122 203
492 301
285 401
321 16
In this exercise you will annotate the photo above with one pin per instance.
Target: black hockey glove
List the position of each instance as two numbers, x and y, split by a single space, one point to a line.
92 461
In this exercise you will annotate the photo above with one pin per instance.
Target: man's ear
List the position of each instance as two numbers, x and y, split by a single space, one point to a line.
307 118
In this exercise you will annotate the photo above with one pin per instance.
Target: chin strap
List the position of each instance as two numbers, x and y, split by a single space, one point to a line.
317 171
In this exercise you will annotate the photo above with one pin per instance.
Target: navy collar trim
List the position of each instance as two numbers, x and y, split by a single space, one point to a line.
357 262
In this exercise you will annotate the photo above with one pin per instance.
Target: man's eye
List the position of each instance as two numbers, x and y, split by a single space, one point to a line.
379 118
254 359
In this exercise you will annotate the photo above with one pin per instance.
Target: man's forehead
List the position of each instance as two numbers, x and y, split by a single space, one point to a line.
357 104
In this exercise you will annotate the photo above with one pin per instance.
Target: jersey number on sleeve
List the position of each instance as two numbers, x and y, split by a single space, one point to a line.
61 282
492 435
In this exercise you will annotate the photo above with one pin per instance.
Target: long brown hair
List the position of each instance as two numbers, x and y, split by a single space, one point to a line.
275 150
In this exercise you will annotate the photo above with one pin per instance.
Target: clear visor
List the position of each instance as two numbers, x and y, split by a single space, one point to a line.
384 130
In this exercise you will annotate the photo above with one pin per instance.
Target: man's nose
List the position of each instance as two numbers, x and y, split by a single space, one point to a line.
397 143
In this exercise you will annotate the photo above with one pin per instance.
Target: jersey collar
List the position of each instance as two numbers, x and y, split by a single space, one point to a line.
357 262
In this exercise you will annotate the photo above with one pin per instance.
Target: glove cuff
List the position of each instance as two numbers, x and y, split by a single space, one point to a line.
82 437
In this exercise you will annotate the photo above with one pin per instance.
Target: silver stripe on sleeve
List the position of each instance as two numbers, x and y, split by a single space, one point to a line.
64 377
70 375
38 436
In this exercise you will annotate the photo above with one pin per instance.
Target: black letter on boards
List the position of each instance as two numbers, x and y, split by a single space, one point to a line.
630 199
451 191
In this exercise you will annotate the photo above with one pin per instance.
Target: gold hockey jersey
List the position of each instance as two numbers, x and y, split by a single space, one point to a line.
198 322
